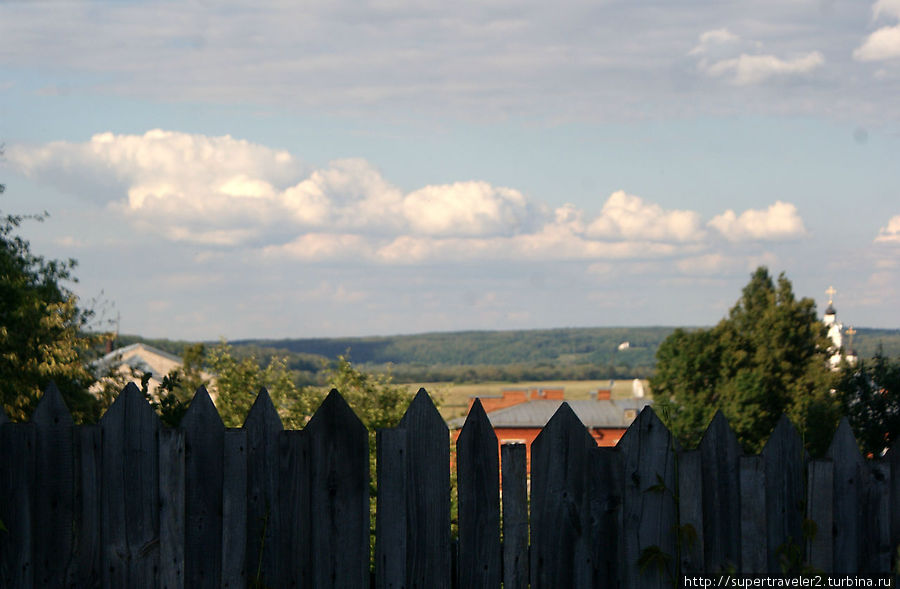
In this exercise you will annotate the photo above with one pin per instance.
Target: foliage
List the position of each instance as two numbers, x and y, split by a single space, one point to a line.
769 356
870 393
238 381
41 329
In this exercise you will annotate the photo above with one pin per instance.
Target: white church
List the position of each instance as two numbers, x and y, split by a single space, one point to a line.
836 335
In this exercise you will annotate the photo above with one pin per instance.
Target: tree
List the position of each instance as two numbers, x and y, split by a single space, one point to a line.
238 381
768 357
42 329
870 393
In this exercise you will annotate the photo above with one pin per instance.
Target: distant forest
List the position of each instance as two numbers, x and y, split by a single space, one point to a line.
491 356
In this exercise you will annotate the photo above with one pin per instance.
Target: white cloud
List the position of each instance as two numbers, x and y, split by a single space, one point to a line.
880 45
722 53
778 222
710 41
223 193
627 216
466 208
890 233
753 69
883 43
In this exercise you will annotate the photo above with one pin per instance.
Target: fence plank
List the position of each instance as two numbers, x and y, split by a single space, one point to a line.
262 425
204 439
606 489
292 526
691 501
515 516
478 481
54 490
848 464
428 495
893 459
130 492
17 446
339 495
561 555
820 502
720 451
390 509
172 521
785 462
648 505
234 508
85 570
875 545
754 536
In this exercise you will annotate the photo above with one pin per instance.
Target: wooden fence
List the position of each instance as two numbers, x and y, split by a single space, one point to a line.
131 503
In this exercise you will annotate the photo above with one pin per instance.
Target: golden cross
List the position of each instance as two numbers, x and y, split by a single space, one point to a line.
850 332
830 292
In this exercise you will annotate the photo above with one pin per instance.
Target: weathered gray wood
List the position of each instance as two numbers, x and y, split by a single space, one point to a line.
234 508
428 495
171 509
515 516
561 458
204 438
820 503
606 489
648 504
691 501
390 509
130 492
53 508
785 462
262 425
876 550
893 459
720 451
754 536
86 567
293 525
339 495
478 483
17 447
848 463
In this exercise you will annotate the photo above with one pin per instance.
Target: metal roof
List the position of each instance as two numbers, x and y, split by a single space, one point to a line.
138 356
602 413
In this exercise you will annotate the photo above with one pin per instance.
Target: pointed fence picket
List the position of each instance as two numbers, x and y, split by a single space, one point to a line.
132 503
479 502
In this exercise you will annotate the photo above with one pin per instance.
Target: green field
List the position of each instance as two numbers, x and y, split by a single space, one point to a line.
454 398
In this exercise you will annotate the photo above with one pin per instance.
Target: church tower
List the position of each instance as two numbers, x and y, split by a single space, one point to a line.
835 333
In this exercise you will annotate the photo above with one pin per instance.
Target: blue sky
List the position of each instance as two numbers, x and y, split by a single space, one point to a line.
343 168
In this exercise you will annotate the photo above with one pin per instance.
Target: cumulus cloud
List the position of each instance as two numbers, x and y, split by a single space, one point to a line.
221 192
890 233
628 216
883 43
780 221
721 53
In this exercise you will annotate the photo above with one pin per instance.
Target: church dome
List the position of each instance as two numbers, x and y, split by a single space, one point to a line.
830 310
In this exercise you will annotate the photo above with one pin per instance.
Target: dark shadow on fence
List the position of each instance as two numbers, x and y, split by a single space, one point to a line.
132 503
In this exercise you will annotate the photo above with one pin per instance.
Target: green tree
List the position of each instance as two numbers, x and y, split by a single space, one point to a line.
238 381
42 329
768 357
870 393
